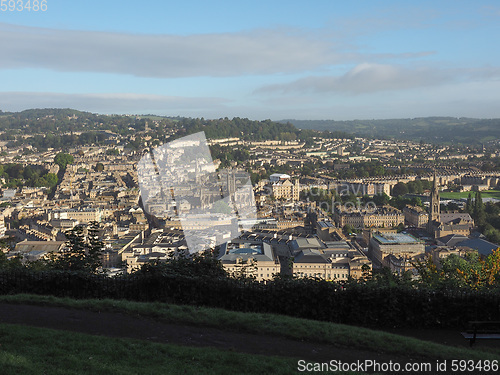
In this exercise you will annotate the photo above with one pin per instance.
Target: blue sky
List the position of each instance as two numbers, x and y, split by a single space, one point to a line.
261 59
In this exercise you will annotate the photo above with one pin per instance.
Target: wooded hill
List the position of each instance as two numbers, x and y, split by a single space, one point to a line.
442 130
43 128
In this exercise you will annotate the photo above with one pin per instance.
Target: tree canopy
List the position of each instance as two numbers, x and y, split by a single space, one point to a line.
63 160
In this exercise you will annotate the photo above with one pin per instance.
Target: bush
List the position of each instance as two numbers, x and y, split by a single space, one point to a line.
355 303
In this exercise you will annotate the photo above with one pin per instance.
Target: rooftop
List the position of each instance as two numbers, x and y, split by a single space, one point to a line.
395 238
325 224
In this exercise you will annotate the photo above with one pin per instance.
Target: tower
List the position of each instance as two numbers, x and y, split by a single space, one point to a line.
434 205
434 213
296 190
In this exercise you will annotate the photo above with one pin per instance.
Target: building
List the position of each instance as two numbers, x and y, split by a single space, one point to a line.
395 250
84 216
483 247
243 257
316 263
330 264
381 217
277 177
326 231
441 252
285 189
453 223
34 250
434 207
160 245
328 260
3 229
64 224
369 232
415 216
440 225
8 194
277 225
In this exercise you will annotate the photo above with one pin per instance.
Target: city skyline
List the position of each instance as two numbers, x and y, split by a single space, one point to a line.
279 60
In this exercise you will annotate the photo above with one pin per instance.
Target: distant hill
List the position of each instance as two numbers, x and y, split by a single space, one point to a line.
43 125
441 130
429 129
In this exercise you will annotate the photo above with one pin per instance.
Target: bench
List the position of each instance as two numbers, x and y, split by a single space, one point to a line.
478 330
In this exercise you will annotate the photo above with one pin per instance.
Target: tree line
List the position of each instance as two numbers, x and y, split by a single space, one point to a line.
17 175
486 216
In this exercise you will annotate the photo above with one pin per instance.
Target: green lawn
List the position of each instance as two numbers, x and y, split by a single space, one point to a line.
465 194
34 351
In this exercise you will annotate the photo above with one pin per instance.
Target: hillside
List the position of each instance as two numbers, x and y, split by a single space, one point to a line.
53 122
112 336
57 128
446 130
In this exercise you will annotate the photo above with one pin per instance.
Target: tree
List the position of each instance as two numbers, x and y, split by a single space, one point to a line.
479 212
492 234
469 271
51 179
399 189
415 187
29 173
63 160
245 270
99 167
200 264
112 151
381 199
348 229
429 272
5 263
469 204
14 171
82 252
416 201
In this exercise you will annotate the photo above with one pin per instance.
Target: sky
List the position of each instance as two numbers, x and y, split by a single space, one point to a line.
264 59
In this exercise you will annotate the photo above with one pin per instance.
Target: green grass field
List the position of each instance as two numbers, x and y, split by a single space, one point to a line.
465 194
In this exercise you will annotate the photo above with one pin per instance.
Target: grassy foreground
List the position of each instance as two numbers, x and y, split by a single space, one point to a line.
34 351
269 324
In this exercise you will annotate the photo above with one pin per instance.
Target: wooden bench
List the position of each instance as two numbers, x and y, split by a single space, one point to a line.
479 330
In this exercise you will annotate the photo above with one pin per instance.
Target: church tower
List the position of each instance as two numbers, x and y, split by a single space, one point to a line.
434 206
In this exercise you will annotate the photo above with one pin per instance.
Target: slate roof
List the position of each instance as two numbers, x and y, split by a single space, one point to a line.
482 246
48 246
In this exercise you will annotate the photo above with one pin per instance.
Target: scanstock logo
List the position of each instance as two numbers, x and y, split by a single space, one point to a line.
178 180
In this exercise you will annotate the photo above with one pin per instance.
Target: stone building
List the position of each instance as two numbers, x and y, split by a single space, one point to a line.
415 216
285 189
381 217
440 225
395 250
243 257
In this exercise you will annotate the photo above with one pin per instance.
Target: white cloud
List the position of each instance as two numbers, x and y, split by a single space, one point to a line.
366 78
490 11
256 52
164 56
